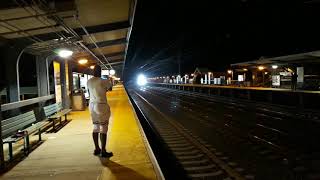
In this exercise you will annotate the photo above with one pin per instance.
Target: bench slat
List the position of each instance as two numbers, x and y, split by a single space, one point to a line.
66 111
55 111
13 129
51 109
49 113
11 139
13 124
15 118
59 114
35 127
18 122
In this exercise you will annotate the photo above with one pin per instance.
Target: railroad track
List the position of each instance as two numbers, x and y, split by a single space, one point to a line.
228 131
277 110
198 158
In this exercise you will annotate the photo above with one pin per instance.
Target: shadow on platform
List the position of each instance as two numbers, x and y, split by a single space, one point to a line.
114 170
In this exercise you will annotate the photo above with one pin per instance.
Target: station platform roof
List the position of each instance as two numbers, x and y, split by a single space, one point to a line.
309 57
98 30
67 154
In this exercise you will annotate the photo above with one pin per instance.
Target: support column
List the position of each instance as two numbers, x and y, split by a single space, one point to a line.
11 76
42 76
65 83
1 142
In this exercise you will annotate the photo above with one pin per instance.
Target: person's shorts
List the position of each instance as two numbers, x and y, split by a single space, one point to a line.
100 114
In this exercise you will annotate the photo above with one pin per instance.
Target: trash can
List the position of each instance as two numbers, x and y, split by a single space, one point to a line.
78 100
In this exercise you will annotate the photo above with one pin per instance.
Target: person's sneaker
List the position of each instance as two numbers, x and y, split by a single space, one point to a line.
96 152
106 154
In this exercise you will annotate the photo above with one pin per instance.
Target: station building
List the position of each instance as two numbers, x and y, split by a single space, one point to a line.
277 72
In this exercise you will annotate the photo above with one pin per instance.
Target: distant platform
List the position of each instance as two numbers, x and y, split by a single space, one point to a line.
67 154
302 99
244 88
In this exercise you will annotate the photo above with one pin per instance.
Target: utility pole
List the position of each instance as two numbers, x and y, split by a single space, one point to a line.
179 62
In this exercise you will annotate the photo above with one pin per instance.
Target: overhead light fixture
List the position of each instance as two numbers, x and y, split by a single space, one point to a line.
64 53
92 67
229 71
83 61
274 66
261 68
112 72
245 69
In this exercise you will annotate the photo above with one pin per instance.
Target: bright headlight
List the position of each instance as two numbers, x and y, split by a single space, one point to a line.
142 80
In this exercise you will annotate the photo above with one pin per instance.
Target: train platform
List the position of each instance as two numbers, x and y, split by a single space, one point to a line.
67 154
245 88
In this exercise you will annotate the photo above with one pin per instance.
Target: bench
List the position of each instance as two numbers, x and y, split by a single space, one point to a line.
20 127
54 112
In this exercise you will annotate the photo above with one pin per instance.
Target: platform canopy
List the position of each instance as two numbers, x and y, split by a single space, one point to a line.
302 58
97 30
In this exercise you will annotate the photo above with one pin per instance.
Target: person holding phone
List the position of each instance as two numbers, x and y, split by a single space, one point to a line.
99 111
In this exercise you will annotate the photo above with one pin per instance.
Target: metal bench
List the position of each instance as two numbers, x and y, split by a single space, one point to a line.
55 112
20 127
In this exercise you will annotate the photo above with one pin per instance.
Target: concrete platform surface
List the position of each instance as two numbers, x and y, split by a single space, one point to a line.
67 154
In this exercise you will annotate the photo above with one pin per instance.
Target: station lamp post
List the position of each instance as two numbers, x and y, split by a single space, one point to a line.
209 77
261 68
231 73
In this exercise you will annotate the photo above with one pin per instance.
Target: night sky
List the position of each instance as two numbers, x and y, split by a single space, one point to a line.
217 33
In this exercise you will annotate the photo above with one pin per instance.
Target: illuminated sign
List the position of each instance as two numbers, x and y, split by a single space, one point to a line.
276 80
105 72
240 78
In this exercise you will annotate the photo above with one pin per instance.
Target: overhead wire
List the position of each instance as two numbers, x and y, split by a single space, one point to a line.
93 41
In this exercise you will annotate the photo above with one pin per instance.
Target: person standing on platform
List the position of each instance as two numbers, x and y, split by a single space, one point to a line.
99 110
294 78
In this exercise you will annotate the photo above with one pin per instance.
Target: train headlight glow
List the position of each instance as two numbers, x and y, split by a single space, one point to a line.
142 80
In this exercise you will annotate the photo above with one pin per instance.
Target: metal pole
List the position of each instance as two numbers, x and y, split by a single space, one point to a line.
48 81
1 143
179 66
17 70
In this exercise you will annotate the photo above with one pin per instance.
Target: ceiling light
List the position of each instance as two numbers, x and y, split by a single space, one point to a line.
83 61
112 72
64 53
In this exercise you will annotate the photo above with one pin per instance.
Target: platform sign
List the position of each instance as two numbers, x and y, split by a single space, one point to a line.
276 80
57 81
